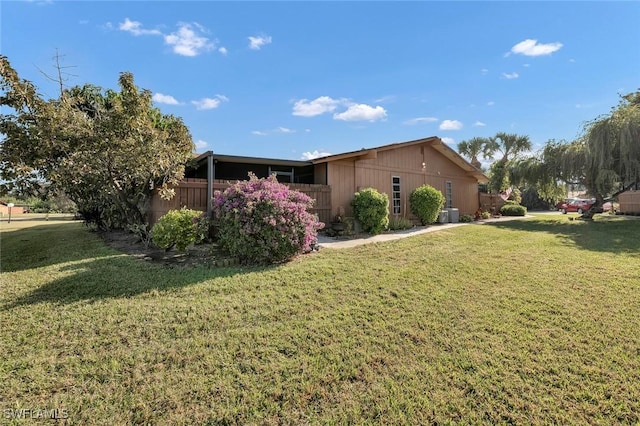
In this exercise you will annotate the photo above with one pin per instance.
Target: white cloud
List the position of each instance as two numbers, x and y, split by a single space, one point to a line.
526 65
572 60
135 28
222 50
200 144
450 125
210 103
276 130
361 112
420 120
530 47
307 130
320 105
510 76
314 154
256 43
165 99
448 141
484 71
479 124
491 103
187 42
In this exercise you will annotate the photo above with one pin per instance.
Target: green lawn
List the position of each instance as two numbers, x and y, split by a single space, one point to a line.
523 322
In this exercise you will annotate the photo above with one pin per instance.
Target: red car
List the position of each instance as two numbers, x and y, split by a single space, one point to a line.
578 206
581 206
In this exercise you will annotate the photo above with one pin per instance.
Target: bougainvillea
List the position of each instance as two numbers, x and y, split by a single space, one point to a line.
261 221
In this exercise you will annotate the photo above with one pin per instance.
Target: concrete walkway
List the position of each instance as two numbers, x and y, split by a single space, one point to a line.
338 243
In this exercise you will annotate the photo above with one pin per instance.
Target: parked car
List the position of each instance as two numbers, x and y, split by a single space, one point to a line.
561 204
580 206
576 206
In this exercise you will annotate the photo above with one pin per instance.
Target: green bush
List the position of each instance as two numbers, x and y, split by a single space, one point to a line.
486 215
513 210
397 223
180 228
371 208
426 202
466 218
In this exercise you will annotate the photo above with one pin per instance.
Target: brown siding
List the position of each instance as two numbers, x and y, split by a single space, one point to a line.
629 202
192 193
348 176
320 174
341 178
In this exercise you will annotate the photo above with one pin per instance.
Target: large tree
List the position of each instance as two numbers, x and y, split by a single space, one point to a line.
605 159
510 147
107 150
474 148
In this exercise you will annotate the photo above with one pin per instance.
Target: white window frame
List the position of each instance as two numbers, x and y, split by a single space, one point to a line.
396 196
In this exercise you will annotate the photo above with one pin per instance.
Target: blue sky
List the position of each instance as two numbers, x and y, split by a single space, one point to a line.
301 79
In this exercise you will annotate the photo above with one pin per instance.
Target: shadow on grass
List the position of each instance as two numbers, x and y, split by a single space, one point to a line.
119 276
28 247
604 234
90 269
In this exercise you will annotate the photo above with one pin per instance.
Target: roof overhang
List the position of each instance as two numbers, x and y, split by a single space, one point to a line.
456 158
251 160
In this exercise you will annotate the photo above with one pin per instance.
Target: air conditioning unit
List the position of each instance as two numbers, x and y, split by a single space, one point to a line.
454 215
443 217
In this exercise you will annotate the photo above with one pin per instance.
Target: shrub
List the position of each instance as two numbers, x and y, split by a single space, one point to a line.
180 228
426 202
371 208
466 218
398 223
513 210
261 221
486 215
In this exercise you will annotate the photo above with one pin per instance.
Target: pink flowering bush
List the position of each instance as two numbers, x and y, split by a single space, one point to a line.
261 221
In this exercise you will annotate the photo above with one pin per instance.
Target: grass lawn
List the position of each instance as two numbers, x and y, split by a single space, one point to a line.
523 322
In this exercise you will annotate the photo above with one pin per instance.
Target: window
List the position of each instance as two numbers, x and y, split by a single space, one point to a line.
282 176
447 195
395 194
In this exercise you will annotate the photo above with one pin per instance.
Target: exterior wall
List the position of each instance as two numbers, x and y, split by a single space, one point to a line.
192 193
4 210
348 176
629 202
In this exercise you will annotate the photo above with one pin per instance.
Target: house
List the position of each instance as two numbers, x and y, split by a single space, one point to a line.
395 169
4 209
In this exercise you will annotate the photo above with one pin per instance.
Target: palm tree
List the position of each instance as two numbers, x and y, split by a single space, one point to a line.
509 145
473 148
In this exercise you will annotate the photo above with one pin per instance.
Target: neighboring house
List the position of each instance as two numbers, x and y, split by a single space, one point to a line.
4 209
395 169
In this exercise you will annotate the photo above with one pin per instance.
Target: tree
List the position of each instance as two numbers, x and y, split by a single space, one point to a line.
107 150
612 150
605 159
510 146
473 148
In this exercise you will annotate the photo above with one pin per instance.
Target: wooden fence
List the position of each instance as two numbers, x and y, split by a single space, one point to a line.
490 202
192 193
629 202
